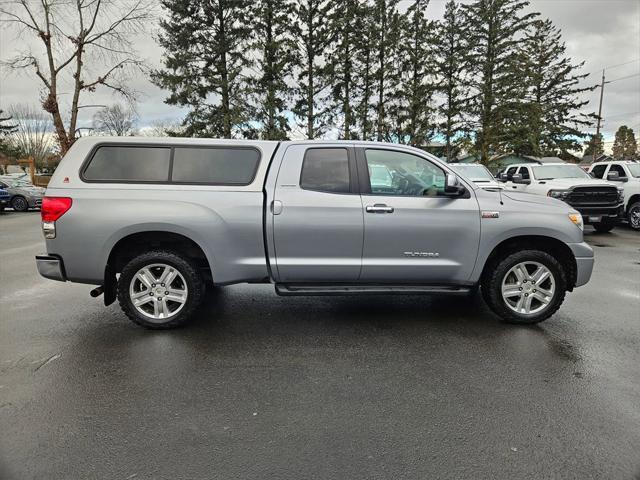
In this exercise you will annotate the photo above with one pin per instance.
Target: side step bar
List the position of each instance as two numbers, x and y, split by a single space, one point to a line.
288 290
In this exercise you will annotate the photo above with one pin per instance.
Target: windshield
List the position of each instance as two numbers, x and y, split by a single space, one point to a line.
549 172
634 169
473 171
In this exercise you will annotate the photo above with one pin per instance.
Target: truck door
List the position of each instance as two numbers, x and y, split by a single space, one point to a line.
413 234
317 215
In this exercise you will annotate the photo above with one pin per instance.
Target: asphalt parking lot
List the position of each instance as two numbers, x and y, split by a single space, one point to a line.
351 387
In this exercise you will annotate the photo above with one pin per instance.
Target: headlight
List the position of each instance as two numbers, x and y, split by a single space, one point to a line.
576 219
620 194
559 194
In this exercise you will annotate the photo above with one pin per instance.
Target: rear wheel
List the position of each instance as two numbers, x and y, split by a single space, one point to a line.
633 215
160 289
604 226
19 204
525 287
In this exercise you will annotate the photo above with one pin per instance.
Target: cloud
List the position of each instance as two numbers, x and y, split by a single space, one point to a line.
602 33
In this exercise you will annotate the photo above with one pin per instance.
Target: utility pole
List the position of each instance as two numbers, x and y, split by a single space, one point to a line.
596 140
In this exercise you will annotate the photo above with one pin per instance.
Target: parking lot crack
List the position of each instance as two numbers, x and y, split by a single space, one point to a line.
47 361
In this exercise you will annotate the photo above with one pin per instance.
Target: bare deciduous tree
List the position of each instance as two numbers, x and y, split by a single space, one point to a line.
115 120
82 45
33 136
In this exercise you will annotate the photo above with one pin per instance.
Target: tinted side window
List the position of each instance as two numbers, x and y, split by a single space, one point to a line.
598 171
524 171
231 166
326 170
511 171
398 173
142 164
617 168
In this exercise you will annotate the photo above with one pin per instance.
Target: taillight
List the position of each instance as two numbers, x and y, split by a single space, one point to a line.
54 207
51 210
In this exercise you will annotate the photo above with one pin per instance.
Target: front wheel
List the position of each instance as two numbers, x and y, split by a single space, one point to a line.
160 289
19 204
525 287
633 215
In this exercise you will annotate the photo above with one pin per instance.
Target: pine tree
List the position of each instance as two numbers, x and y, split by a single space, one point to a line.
547 121
340 65
494 29
625 146
451 64
312 34
410 107
205 44
364 70
386 18
274 45
592 146
7 127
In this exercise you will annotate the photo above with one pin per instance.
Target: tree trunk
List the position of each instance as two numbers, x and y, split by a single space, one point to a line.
226 110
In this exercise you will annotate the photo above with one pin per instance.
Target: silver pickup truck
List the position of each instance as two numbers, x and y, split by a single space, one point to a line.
154 221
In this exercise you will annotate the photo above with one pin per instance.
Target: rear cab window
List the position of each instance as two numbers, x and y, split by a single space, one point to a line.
172 164
326 170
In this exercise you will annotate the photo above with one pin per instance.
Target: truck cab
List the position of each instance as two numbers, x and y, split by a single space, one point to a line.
625 174
599 202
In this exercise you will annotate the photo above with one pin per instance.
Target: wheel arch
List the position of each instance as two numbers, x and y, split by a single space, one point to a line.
132 244
632 199
557 248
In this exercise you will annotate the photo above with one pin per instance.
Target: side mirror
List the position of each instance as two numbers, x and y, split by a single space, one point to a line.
503 177
615 177
517 178
452 186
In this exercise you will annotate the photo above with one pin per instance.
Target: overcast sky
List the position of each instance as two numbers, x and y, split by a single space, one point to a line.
603 33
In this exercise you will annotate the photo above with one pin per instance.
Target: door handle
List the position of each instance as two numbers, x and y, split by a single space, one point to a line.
379 208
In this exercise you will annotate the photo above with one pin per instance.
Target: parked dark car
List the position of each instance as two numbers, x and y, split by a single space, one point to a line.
23 194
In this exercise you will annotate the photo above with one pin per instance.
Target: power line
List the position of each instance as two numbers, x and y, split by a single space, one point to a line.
623 78
615 66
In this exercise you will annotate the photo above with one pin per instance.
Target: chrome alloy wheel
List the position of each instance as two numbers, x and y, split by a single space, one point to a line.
158 291
528 288
634 217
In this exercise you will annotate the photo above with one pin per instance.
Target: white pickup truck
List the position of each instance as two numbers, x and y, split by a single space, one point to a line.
600 202
627 175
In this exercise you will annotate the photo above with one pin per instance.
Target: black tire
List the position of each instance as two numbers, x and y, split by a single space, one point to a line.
190 273
19 204
491 286
633 215
604 226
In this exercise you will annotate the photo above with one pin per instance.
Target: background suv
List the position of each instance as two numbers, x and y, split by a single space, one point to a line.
625 174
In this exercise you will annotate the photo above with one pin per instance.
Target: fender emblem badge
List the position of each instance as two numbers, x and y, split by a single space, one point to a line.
490 214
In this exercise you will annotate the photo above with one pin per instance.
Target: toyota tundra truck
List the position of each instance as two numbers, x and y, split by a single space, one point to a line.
153 222
600 202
